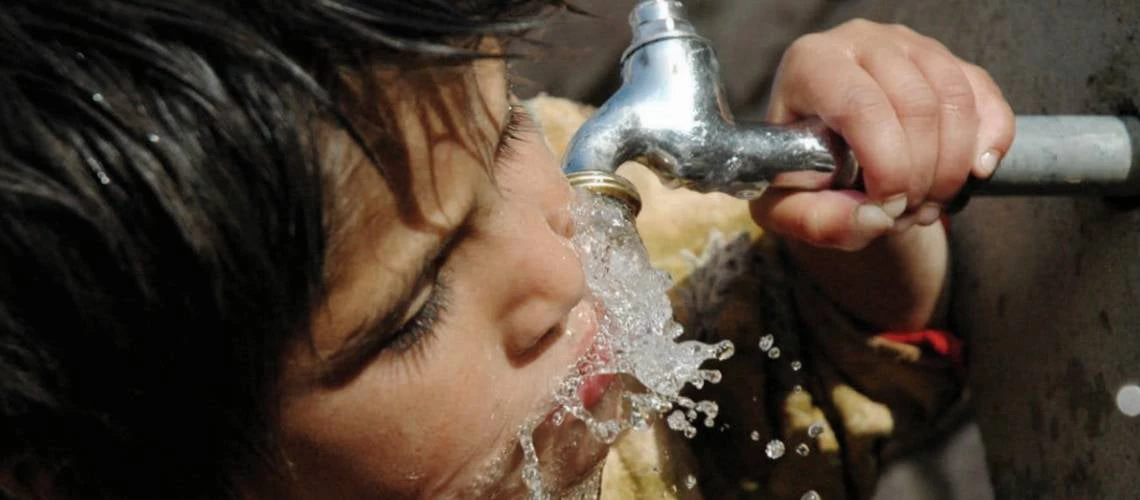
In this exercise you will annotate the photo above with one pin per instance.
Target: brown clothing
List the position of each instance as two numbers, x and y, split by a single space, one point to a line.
868 398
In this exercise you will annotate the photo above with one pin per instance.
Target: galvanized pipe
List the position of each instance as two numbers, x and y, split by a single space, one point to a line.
1070 155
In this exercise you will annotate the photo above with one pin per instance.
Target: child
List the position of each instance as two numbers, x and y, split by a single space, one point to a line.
313 250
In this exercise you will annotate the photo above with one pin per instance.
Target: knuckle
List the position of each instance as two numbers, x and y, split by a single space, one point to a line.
865 100
812 226
918 101
805 45
855 27
956 93
902 28
975 70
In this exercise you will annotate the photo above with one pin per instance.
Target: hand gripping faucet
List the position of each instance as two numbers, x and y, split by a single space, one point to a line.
670 115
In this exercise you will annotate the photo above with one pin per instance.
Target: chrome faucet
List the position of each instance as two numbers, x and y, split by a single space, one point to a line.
671 115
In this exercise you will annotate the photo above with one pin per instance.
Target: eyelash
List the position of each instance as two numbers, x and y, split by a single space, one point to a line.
517 118
423 324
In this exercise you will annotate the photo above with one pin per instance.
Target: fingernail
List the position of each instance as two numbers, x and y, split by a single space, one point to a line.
903 223
928 214
872 219
987 163
895 206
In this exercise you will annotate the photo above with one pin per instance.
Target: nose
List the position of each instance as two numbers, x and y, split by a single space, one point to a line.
537 265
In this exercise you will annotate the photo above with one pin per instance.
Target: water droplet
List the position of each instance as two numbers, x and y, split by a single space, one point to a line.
755 435
1128 400
677 420
97 97
766 342
797 388
811 495
724 350
712 376
153 138
773 353
690 481
636 328
81 56
796 366
815 429
803 449
774 449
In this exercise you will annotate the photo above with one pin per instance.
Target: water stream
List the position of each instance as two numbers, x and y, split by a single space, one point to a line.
637 338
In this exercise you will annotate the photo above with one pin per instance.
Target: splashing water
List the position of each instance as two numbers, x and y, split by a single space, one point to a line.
766 342
636 336
774 449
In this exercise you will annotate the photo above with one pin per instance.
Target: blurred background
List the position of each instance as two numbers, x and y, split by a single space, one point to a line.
1046 289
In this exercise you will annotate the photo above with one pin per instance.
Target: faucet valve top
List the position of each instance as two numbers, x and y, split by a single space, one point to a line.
653 20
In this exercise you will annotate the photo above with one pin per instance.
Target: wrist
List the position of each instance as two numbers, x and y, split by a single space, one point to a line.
898 282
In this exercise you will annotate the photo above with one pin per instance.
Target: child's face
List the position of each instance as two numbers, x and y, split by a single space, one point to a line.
438 417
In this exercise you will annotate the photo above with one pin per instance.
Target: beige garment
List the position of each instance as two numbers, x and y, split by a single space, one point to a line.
837 398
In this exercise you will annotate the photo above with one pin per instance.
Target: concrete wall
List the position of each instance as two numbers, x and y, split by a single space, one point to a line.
1048 289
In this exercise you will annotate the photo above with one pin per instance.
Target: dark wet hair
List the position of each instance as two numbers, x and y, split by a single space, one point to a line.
162 220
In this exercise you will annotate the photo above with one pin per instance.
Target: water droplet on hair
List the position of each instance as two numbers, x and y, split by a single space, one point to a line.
97 97
153 138
815 429
797 366
803 449
774 449
774 353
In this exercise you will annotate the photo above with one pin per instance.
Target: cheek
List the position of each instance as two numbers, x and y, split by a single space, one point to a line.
429 420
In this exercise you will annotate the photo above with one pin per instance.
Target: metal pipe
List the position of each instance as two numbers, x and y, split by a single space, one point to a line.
670 114
1070 155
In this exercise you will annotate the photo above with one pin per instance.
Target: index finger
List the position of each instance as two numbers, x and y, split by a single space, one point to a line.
849 100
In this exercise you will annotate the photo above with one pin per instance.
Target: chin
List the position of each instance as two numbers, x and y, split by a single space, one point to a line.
570 457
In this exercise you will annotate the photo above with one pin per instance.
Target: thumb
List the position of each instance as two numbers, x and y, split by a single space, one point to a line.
844 220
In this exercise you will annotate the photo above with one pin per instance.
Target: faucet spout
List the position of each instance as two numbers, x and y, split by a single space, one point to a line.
670 115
